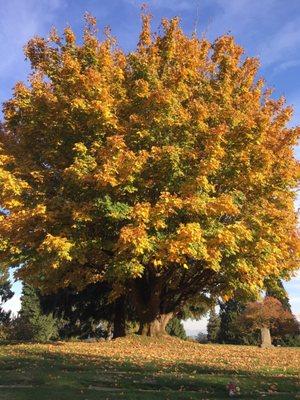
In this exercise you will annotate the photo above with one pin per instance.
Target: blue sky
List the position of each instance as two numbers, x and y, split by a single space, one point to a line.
269 29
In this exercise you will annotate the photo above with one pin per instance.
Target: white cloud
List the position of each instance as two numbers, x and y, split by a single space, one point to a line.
295 102
193 327
284 66
258 23
239 16
295 303
14 304
19 21
293 289
282 45
179 5
294 284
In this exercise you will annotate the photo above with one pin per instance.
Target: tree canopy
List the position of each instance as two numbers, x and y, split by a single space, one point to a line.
168 172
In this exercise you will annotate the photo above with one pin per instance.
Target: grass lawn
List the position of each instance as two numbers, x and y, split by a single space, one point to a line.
148 369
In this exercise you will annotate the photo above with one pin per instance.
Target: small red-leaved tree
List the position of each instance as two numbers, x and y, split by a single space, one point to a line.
267 315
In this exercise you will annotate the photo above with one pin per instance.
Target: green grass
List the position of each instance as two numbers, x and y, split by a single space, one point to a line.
124 370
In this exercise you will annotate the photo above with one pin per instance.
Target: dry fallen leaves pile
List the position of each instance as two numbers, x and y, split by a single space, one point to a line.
168 352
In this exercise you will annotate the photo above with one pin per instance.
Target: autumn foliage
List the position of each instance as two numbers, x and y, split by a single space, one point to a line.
168 172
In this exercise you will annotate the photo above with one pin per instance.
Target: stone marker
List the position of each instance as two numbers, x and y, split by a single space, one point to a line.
266 342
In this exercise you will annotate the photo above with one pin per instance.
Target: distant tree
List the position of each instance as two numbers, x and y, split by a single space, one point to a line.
90 311
175 328
202 337
81 313
32 324
231 331
266 315
213 326
275 288
283 333
5 294
195 308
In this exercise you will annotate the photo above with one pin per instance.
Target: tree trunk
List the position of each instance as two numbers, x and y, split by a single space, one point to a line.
155 327
266 342
119 318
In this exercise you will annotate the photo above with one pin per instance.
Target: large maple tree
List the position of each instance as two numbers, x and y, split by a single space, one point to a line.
168 172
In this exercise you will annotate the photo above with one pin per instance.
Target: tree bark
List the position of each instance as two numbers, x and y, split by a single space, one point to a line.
266 342
146 295
155 302
155 327
119 318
